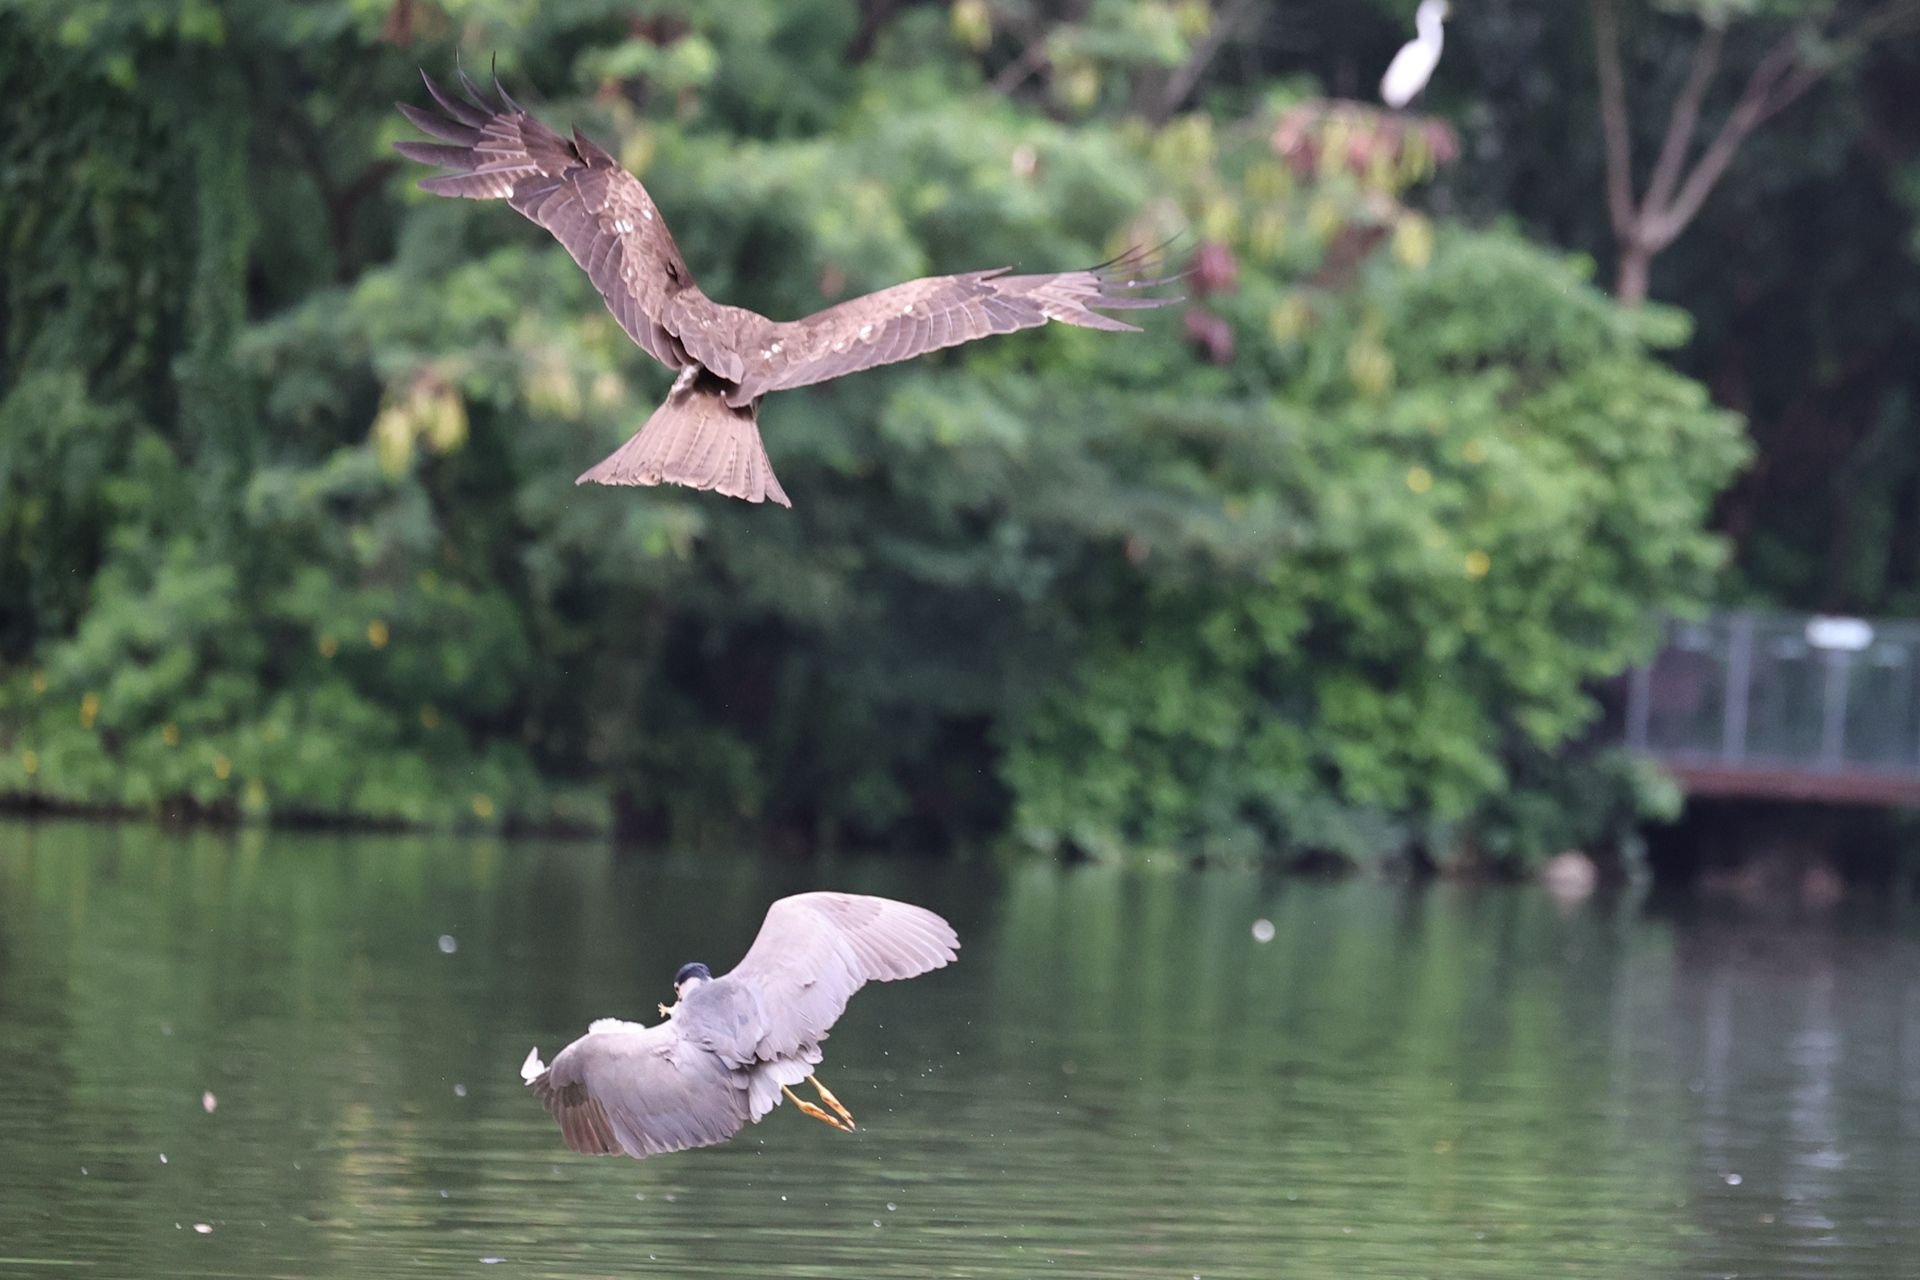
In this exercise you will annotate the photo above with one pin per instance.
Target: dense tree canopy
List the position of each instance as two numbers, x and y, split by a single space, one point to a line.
1329 559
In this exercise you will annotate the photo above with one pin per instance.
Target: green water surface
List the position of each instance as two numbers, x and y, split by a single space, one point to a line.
1117 1079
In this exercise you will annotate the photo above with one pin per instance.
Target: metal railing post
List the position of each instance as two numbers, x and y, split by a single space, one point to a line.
1640 703
1733 725
1833 708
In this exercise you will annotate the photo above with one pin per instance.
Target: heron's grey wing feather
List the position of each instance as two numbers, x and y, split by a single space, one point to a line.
600 212
642 1091
814 950
937 311
726 1017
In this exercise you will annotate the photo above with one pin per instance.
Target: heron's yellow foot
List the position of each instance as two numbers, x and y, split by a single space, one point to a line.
808 1109
666 1010
826 1096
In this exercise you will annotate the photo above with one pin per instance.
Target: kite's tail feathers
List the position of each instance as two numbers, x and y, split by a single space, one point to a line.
697 439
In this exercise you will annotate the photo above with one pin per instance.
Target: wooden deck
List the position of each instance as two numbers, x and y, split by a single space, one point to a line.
1785 782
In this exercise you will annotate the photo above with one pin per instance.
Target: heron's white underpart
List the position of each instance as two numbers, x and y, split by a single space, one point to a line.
1413 66
600 1025
532 1068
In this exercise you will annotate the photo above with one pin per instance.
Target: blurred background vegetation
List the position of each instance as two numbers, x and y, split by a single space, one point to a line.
1331 560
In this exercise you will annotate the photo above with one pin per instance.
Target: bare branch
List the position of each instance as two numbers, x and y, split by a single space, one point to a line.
1615 125
1664 225
1181 83
1684 120
1779 80
1023 68
874 17
1675 194
1891 18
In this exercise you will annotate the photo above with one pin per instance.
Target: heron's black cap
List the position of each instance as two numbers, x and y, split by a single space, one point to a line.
694 970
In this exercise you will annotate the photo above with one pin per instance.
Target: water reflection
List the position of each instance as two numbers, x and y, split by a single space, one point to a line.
1117 1080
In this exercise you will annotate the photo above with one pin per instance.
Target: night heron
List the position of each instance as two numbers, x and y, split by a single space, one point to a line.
1413 66
731 1046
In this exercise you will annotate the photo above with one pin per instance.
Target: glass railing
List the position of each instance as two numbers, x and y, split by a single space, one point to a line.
1773 691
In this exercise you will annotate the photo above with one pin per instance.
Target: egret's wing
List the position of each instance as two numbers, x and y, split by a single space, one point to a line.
815 950
591 205
924 315
642 1091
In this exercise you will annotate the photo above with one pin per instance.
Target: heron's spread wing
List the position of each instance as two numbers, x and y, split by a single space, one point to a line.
598 210
815 950
938 311
641 1091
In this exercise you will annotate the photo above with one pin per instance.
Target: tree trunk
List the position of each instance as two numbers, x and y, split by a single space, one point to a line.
1636 268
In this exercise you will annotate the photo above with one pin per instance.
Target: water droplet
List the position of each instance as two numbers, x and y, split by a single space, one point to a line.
459 1091
208 1102
489 1260
890 1206
163 1157
1263 931
1733 1179
203 1228
448 944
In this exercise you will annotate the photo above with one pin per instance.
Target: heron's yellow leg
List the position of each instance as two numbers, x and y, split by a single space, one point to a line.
826 1096
808 1109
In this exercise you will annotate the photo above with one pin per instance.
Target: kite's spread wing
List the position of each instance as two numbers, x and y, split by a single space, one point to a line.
598 210
940 311
706 435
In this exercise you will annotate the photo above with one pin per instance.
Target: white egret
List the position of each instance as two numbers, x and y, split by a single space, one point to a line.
1413 66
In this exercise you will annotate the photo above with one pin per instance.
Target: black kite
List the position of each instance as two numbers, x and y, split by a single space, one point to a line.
706 434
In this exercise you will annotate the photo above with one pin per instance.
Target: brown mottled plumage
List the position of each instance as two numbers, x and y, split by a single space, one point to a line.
706 435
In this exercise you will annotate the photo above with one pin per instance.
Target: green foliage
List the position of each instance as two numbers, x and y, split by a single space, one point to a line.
1802 271
1469 548
286 454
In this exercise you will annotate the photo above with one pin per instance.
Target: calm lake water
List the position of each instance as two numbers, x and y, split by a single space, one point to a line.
1116 1080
